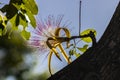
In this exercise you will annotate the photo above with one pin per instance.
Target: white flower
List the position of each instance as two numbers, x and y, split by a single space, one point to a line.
43 31
45 38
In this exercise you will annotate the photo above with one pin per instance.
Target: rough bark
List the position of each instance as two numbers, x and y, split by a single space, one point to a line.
101 62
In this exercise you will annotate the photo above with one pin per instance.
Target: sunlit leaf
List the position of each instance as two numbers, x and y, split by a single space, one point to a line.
21 8
23 21
32 19
31 5
25 34
18 19
88 39
84 48
22 16
12 21
76 55
17 6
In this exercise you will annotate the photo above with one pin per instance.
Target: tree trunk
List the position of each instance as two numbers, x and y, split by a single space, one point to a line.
100 62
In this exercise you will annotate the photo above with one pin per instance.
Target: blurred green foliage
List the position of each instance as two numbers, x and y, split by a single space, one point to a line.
12 49
20 12
13 45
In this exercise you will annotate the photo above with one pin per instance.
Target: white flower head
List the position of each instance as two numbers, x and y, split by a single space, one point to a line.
43 31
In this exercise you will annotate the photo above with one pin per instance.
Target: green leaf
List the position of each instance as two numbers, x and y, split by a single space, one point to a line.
31 5
25 34
13 22
31 18
73 52
23 21
22 16
18 20
17 6
76 55
83 49
86 32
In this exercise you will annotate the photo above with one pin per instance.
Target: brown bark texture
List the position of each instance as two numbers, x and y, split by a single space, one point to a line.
100 62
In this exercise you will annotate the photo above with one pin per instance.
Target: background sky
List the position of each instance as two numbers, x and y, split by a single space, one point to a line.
95 14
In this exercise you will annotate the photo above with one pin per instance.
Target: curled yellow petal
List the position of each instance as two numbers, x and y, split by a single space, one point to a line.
64 54
67 33
53 49
56 53
54 42
49 61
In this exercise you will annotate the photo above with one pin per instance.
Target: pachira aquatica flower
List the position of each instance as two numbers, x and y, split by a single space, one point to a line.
47 37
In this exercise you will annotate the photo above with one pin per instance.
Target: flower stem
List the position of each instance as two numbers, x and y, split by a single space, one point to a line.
65 39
